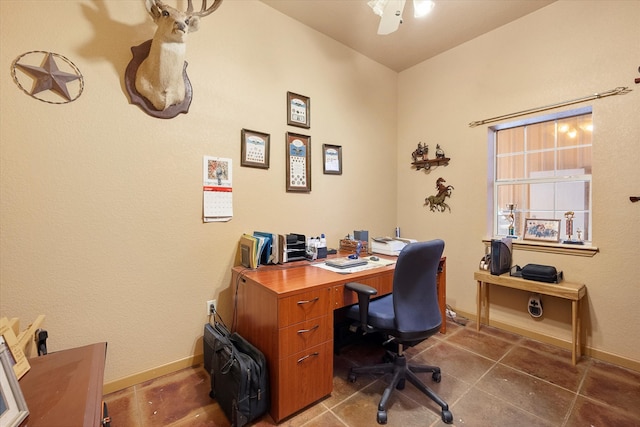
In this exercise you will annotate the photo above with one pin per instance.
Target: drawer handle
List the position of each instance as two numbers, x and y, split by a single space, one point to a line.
302 359
308 301
304 331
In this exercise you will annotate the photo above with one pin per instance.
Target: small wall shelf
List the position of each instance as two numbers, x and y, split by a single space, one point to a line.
427 164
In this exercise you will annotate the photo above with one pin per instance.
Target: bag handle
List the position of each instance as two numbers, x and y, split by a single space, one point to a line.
217 319
516 271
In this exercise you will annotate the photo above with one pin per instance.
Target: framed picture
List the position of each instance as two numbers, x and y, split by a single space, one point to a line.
254 149
19 360
13 407
298 163
542 229
298 110
332 159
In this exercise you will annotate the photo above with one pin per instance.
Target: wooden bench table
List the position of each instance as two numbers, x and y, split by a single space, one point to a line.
570 291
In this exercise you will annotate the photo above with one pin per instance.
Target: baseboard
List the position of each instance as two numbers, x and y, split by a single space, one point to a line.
604 356
188 362
140 377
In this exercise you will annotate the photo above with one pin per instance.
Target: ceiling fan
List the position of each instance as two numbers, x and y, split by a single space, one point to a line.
390 12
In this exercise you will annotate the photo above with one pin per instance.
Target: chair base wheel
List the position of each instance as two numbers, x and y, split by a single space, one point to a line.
352 378
436 377
447 417
382 417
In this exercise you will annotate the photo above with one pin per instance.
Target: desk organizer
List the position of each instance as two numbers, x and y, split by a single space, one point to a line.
296 247
347 245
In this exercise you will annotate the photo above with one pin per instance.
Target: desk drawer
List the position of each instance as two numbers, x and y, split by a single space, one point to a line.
305 377
296 338
304 306
343 297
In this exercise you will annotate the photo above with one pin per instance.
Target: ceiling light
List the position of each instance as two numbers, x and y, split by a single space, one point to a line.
422 7
377 6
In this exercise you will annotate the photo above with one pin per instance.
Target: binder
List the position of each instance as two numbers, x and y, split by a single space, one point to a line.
249 251
266 253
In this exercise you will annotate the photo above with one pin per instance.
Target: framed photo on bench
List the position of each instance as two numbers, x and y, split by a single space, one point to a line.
547 230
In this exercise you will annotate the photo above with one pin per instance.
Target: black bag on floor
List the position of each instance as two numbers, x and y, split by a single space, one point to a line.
239 378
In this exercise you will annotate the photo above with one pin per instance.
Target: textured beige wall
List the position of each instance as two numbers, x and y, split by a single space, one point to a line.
564 51
102 204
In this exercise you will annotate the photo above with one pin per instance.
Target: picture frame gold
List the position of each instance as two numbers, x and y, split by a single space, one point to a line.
332 159
13 407
20 364
255 149
547 230
298 160
298 110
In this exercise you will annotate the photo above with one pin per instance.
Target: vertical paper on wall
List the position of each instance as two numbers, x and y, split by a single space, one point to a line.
217 189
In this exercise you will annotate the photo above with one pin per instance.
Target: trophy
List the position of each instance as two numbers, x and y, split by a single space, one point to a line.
512 219
569 229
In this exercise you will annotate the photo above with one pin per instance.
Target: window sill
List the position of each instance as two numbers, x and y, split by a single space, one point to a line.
586 250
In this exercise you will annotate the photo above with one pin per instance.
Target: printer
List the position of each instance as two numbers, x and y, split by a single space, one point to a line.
389 245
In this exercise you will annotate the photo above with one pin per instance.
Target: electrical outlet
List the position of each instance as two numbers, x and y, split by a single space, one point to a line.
211 306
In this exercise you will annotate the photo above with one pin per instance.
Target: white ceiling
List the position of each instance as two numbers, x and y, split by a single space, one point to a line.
451 23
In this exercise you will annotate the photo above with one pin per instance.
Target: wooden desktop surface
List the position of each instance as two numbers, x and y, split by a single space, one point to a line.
64 388
300 275
286 311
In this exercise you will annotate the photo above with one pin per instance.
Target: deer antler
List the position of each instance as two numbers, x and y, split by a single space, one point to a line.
204 11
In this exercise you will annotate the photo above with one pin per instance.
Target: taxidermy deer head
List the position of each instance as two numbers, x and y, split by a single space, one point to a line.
159 78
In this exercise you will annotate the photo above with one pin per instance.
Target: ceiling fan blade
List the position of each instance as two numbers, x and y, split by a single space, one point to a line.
391 17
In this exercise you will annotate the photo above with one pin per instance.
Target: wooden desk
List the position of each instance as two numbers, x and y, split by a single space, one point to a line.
566 290
287 312
64 388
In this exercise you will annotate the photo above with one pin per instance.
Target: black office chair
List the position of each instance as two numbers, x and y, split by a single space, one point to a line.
408 316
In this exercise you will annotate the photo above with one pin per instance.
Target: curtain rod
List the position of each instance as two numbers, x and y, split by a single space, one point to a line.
616 91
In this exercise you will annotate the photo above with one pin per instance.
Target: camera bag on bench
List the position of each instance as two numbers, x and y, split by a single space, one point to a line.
541 273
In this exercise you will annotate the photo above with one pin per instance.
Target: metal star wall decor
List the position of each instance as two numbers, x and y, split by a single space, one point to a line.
48 77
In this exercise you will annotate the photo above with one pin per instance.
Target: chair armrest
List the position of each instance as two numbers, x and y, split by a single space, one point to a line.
359 288
364 296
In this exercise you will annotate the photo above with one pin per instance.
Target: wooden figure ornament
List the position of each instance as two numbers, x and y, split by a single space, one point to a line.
437 203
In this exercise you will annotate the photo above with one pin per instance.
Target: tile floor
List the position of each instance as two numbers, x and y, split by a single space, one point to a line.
489 378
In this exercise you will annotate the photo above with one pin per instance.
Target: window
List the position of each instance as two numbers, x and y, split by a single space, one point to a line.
542 169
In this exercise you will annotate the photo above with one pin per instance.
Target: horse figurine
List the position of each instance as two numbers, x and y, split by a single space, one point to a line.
437 202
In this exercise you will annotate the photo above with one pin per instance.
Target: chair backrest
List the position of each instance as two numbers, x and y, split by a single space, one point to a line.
415 294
